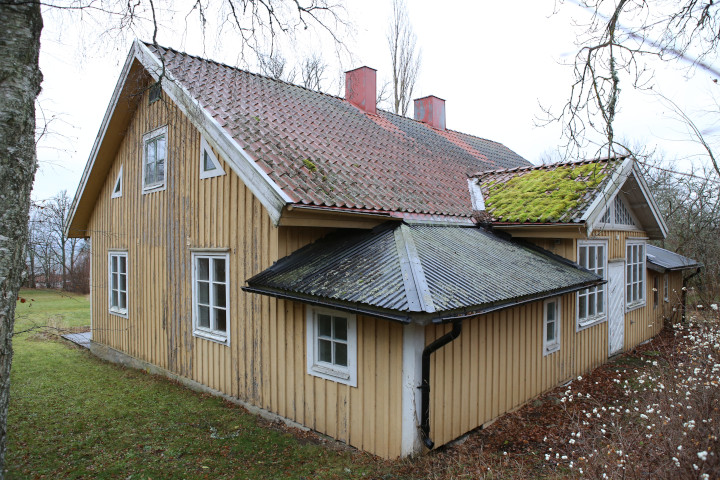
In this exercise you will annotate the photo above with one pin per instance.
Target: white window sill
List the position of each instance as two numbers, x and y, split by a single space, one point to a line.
590 322
334 374
221 338
551 350
635 306
118 312
153 189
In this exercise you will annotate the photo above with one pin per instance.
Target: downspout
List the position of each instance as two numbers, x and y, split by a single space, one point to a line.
684 292
425 386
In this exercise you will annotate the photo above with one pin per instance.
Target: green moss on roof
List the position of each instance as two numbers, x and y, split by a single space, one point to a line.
542 195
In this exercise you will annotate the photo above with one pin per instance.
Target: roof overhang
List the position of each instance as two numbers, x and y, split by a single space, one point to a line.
628 179
142 67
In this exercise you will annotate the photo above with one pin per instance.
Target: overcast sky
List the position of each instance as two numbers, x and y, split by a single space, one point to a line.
495 64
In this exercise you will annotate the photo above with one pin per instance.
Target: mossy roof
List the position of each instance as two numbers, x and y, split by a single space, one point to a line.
555 193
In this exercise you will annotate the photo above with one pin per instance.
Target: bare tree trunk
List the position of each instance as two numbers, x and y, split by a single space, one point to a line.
20 77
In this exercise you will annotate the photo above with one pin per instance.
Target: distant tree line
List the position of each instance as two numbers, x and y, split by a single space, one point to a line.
53 260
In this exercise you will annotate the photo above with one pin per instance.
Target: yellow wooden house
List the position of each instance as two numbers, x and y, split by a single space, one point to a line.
383 280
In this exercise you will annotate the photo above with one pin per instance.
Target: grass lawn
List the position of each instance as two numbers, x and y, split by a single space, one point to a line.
75 416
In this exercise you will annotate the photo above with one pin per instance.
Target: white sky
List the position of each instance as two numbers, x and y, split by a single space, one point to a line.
493 62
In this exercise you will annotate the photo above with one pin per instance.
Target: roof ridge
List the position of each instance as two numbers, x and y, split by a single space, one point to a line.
547 165
277 80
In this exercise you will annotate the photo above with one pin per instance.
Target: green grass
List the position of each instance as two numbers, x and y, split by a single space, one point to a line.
75 416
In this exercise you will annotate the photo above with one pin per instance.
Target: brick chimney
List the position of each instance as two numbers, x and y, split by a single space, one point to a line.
431 110
360 85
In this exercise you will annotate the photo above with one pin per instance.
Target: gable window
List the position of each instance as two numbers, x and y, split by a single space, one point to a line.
117 280
154 159
332 345
551 326
155 93
590 307
666 293
209 163
210 296
635 274
117 188
618 216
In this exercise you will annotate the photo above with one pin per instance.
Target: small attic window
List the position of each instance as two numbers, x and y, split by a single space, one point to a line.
618 216
117 188
155 93
209 163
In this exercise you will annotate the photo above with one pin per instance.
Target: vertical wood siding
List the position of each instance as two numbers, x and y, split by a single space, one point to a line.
497 364
265 361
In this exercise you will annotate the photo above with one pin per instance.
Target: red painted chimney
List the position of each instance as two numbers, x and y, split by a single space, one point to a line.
360 85
431 110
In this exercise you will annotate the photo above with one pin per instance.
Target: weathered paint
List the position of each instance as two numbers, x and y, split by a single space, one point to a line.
360 88
430 110
264 364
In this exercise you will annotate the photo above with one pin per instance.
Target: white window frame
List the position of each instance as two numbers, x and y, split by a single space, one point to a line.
328 371
666 288
589 321
205 149
116 309
612 225
118 181
554 346
148 138
630 280
211 333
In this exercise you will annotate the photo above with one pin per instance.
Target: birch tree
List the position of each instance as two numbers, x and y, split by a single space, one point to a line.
20 77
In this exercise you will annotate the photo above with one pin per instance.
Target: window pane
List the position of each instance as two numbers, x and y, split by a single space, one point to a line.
340 328
601 300
114 298
123 283
203 268
149 174
220 320
208 164
114 281
341 354
219 266
550 311
160 171
123 264
591 258
203 292
592 304
582 306
219 295
324 351
550 332
203 316
113 264
583 257
122 300
160 142
324 326
601 255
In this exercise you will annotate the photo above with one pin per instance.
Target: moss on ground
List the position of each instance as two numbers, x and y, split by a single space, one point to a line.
542 195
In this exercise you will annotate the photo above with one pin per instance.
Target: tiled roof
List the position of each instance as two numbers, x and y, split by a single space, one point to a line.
555 193
400 270
664 260
321 150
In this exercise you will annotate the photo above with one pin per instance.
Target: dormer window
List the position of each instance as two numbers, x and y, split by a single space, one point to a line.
209 163
117 187
154 159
